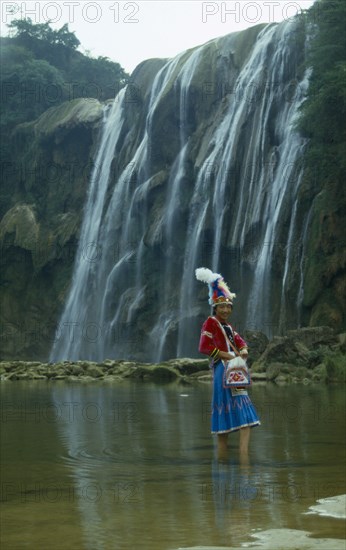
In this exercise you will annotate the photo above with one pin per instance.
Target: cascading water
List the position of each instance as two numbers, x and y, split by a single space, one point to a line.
90 321
72 327
254 202
219 201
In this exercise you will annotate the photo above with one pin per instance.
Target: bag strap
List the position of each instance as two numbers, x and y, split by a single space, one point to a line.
228 340
234 348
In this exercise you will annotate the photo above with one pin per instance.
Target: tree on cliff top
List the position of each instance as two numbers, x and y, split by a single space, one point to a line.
26 31
41 68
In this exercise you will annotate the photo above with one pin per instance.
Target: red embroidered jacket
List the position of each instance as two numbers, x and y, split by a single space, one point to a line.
213 339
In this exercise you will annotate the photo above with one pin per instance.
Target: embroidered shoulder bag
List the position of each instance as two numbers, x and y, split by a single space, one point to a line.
236 372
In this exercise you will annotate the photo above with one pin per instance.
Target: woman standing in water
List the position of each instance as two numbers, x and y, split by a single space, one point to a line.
232 409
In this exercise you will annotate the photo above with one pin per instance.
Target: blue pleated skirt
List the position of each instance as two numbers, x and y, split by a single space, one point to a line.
230 412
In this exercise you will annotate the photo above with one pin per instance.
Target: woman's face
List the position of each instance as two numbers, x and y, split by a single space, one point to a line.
223 311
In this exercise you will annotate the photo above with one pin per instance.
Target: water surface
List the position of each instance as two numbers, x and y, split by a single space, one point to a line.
133 466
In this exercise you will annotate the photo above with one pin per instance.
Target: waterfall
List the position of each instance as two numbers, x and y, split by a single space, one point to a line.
293 245
285 181
300 296
168 315
216 191
254 201
72 329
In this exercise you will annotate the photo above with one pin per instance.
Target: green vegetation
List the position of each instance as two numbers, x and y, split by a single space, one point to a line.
324 111
322 192
41 68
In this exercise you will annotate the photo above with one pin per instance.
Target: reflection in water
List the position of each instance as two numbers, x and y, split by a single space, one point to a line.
132 465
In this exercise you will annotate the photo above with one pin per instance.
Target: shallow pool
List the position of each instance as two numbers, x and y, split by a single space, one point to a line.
133 466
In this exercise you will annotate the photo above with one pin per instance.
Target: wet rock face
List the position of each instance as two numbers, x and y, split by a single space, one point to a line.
310 354
257 342
44 194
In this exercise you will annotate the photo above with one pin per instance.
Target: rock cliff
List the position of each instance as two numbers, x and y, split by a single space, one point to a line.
43 195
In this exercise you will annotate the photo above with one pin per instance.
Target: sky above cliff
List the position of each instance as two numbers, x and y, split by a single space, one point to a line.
130 32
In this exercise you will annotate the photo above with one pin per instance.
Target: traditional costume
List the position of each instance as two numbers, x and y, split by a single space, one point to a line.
232 409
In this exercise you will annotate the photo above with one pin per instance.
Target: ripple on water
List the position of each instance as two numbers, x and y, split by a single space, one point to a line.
114 455
83 457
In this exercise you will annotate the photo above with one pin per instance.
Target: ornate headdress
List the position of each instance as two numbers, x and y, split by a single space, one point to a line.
219 293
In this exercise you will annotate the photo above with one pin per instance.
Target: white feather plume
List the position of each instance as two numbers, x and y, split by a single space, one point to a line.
206 275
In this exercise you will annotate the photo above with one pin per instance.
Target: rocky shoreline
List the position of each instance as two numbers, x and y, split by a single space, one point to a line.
308 355
182 370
